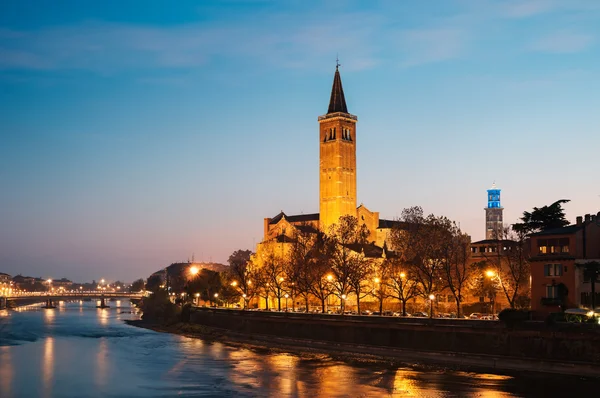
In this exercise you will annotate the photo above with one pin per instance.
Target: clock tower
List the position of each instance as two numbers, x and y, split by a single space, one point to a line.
493 214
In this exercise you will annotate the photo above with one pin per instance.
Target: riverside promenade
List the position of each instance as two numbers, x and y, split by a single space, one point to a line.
533 346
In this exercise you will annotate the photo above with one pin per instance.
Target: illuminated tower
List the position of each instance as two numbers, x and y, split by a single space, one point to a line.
337 167
493 214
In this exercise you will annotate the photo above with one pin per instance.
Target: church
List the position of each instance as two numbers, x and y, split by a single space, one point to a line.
337 182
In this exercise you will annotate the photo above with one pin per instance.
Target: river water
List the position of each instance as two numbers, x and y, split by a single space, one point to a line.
77 350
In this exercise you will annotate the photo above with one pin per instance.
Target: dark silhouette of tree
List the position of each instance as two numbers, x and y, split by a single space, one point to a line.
137 285
591 271
241 274
543 218
206 283
154 283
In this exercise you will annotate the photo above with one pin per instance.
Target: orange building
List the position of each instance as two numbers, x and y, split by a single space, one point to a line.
558 258
337 181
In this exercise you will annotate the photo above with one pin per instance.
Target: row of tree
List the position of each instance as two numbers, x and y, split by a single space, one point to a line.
430 256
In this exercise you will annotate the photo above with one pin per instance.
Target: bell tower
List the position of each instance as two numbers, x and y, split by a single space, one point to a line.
337 155
493 214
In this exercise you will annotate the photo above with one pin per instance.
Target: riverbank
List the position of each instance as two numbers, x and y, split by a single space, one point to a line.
415 359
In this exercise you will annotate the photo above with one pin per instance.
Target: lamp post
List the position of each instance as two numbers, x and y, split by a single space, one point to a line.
286 297
431 298
244 297
216 298
342 304
491 274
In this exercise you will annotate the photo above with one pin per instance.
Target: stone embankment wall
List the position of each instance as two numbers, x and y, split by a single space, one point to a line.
532 340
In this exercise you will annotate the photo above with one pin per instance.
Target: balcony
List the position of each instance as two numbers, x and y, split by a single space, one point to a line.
551 301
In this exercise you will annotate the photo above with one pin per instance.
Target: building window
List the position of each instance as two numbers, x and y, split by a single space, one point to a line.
551 291
473 250
553 270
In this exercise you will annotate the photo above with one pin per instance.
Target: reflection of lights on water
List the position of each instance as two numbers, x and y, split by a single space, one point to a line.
101 363
49 316
6 371
405 383
286 365
48 365
103 316
118 303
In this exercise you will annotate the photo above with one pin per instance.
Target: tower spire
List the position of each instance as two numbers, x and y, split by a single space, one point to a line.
337 102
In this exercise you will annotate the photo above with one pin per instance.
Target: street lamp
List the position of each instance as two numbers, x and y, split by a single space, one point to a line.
343 304
216 297
402 275
194 270
244 296
286 297
491 274
329 277
431 298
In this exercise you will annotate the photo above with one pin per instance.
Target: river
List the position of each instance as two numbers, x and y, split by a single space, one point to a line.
77 350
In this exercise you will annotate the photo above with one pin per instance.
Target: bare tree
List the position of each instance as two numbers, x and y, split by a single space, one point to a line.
402 285
457 269
342 257
297 267
241 274
382 269
360 277
420 244
509 264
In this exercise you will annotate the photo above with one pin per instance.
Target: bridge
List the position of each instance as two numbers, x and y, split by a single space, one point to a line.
52 297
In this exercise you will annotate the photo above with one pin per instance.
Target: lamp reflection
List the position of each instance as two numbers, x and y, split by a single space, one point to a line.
103 316
6 371
49 316
101 363
48 365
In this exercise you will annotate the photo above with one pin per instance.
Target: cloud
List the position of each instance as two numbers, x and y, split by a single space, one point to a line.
528 8
278 41
563 42
424 46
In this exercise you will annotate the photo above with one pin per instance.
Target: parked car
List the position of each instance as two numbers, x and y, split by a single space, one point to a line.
420 315
475 315
388 313
367 312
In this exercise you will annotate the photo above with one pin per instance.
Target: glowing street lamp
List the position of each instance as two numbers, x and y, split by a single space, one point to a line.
194 270
490 274
234 283
329 277
286 297
402 275
431 298
377 280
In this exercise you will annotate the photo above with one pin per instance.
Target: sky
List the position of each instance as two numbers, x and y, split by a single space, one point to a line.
136 134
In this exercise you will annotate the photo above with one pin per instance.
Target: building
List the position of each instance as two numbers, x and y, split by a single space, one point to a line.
493 214
5 278
559 257
337 181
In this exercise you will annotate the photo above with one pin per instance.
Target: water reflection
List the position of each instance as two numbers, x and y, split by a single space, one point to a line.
6 371
48 365
93 354
103 316
101 363
49 316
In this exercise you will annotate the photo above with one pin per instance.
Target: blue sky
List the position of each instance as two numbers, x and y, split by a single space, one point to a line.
137 133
